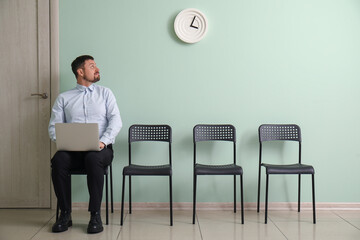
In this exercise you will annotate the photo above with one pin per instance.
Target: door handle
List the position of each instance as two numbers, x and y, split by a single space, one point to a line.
42 95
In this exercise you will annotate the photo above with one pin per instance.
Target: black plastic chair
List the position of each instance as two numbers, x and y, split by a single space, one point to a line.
283 132
217 133
106 174
154 133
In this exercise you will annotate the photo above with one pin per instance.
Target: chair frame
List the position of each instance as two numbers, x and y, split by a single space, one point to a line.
197 137
284 132
150 137
106 174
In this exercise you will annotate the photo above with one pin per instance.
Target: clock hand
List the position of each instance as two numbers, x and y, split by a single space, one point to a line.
191 25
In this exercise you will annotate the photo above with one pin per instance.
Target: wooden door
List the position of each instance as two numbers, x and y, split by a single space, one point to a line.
24 70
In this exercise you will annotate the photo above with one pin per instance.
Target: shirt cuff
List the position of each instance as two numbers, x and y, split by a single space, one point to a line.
105 140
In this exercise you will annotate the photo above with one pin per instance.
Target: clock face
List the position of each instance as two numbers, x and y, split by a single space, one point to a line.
190 25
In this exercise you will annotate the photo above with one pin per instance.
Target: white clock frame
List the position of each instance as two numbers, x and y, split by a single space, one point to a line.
191 25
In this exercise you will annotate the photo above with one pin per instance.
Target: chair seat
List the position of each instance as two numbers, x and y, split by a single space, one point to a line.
83 171
78 171
229 169
288 169
147 170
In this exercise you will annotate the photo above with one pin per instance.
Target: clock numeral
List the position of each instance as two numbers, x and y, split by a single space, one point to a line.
191 25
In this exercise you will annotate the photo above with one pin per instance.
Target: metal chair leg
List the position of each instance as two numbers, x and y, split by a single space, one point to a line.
313 197
299 192
107 199
234 193
130 206
194 199
259 182
122 201
111 190
242 199
171 200
266 197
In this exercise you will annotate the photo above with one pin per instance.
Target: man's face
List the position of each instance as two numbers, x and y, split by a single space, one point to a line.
90 72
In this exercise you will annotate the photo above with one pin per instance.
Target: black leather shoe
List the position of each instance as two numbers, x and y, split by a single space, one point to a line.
95 224
63 222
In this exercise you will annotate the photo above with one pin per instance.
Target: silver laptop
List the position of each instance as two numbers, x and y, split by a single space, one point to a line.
77 136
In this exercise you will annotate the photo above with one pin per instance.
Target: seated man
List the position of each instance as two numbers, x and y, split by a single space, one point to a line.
86 103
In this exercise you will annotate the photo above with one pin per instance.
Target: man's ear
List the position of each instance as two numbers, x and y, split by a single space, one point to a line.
80 72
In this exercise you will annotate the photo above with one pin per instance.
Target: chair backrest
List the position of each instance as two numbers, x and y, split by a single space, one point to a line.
215 132
204 132
155 133
279 132
149 133
282 132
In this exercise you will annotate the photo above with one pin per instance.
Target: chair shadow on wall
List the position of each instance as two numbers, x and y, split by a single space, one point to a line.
249 140
277 150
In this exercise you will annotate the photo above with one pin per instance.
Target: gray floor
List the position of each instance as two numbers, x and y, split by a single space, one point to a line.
219 225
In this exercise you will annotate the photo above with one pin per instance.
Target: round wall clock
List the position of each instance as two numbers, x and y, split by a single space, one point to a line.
190 25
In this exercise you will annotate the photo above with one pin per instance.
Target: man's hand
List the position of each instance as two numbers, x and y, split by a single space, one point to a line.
102 145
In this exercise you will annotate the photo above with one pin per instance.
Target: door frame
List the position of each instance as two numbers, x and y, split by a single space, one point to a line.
54 72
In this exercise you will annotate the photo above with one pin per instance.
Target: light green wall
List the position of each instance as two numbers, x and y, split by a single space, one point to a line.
262 61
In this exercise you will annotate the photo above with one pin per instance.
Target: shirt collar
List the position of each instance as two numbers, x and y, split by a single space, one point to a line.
83 88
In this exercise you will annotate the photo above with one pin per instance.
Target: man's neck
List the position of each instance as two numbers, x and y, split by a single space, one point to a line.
84 82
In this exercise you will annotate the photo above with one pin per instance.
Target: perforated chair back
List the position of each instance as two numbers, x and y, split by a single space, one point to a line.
157 133
214 133
283 132
160 133
279 132
217 132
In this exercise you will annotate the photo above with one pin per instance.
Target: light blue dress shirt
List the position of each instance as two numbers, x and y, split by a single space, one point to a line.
93 104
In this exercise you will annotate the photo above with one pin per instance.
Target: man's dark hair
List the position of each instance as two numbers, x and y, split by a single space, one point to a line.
79 63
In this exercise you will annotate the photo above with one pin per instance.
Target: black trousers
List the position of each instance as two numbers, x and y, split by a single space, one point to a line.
94 164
